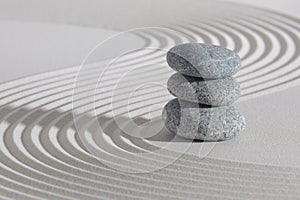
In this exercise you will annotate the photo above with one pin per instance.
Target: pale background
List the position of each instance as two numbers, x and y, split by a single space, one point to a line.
42 36
31 48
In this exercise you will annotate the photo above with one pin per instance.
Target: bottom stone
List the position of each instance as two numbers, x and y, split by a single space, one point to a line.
202 122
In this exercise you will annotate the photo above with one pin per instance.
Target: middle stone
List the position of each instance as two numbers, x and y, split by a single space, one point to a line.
217 92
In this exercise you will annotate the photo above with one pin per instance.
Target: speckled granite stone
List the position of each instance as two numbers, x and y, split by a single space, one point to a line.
216 92
203 60
201 122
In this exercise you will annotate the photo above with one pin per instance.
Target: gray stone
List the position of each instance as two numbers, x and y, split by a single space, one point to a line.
203 60
216 92
202 122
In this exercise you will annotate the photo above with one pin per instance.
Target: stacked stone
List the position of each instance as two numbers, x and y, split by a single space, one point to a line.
205 91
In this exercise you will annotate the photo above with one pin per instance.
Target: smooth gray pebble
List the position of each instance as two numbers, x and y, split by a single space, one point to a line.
203 60
201 122
216 92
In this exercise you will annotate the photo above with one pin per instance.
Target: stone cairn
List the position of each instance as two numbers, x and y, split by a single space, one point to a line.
205 91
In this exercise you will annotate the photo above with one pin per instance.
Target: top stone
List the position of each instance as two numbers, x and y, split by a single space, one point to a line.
203 60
